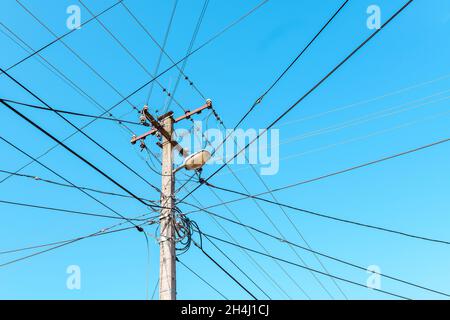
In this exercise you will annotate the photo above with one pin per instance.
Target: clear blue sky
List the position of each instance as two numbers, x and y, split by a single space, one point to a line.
408 194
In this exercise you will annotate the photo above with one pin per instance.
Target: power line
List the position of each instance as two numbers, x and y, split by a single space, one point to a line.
77 128
217 35
294 281
278 79
57 72
240 269
259 243
60 244
202 279
254 105
154 289
307 93
38 178
60 37
162 47
72 112
67 80
43 245
72 152
189 50
304 267
66 180
335 173
282 240
166 37
181 71
251 259
334 218
258 101
28 205
128 51
224 270
78 56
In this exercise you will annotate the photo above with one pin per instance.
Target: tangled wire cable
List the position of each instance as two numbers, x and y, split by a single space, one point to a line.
184 229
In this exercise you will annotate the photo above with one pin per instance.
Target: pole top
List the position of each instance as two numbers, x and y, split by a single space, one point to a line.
165 115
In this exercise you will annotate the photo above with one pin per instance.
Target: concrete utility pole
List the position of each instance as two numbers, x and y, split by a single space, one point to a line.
167 267
167 242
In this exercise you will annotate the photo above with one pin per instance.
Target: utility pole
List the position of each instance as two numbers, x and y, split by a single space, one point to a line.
167 257
164 125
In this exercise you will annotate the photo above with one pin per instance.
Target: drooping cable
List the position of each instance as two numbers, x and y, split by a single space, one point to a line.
72 113
321 215
328 256
162 49
202 279
60 37
304 267
328 75
73 152
75 127
66 180
285 71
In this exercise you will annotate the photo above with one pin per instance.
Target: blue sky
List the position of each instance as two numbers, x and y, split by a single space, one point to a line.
404 68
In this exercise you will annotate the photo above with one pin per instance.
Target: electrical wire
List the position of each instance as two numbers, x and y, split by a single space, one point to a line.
161 48
66 180
360 224
204 44
240 269
128 51
349 169
154 290
72 113
224 270
166 37
291 278
39 179
60 244
259 100
328 75
307 268
276 228
68 81
150 221
60 37
278 79
217 35
73 152
282 240
57 72
202 279
75 127
189 50
251 259
28 205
